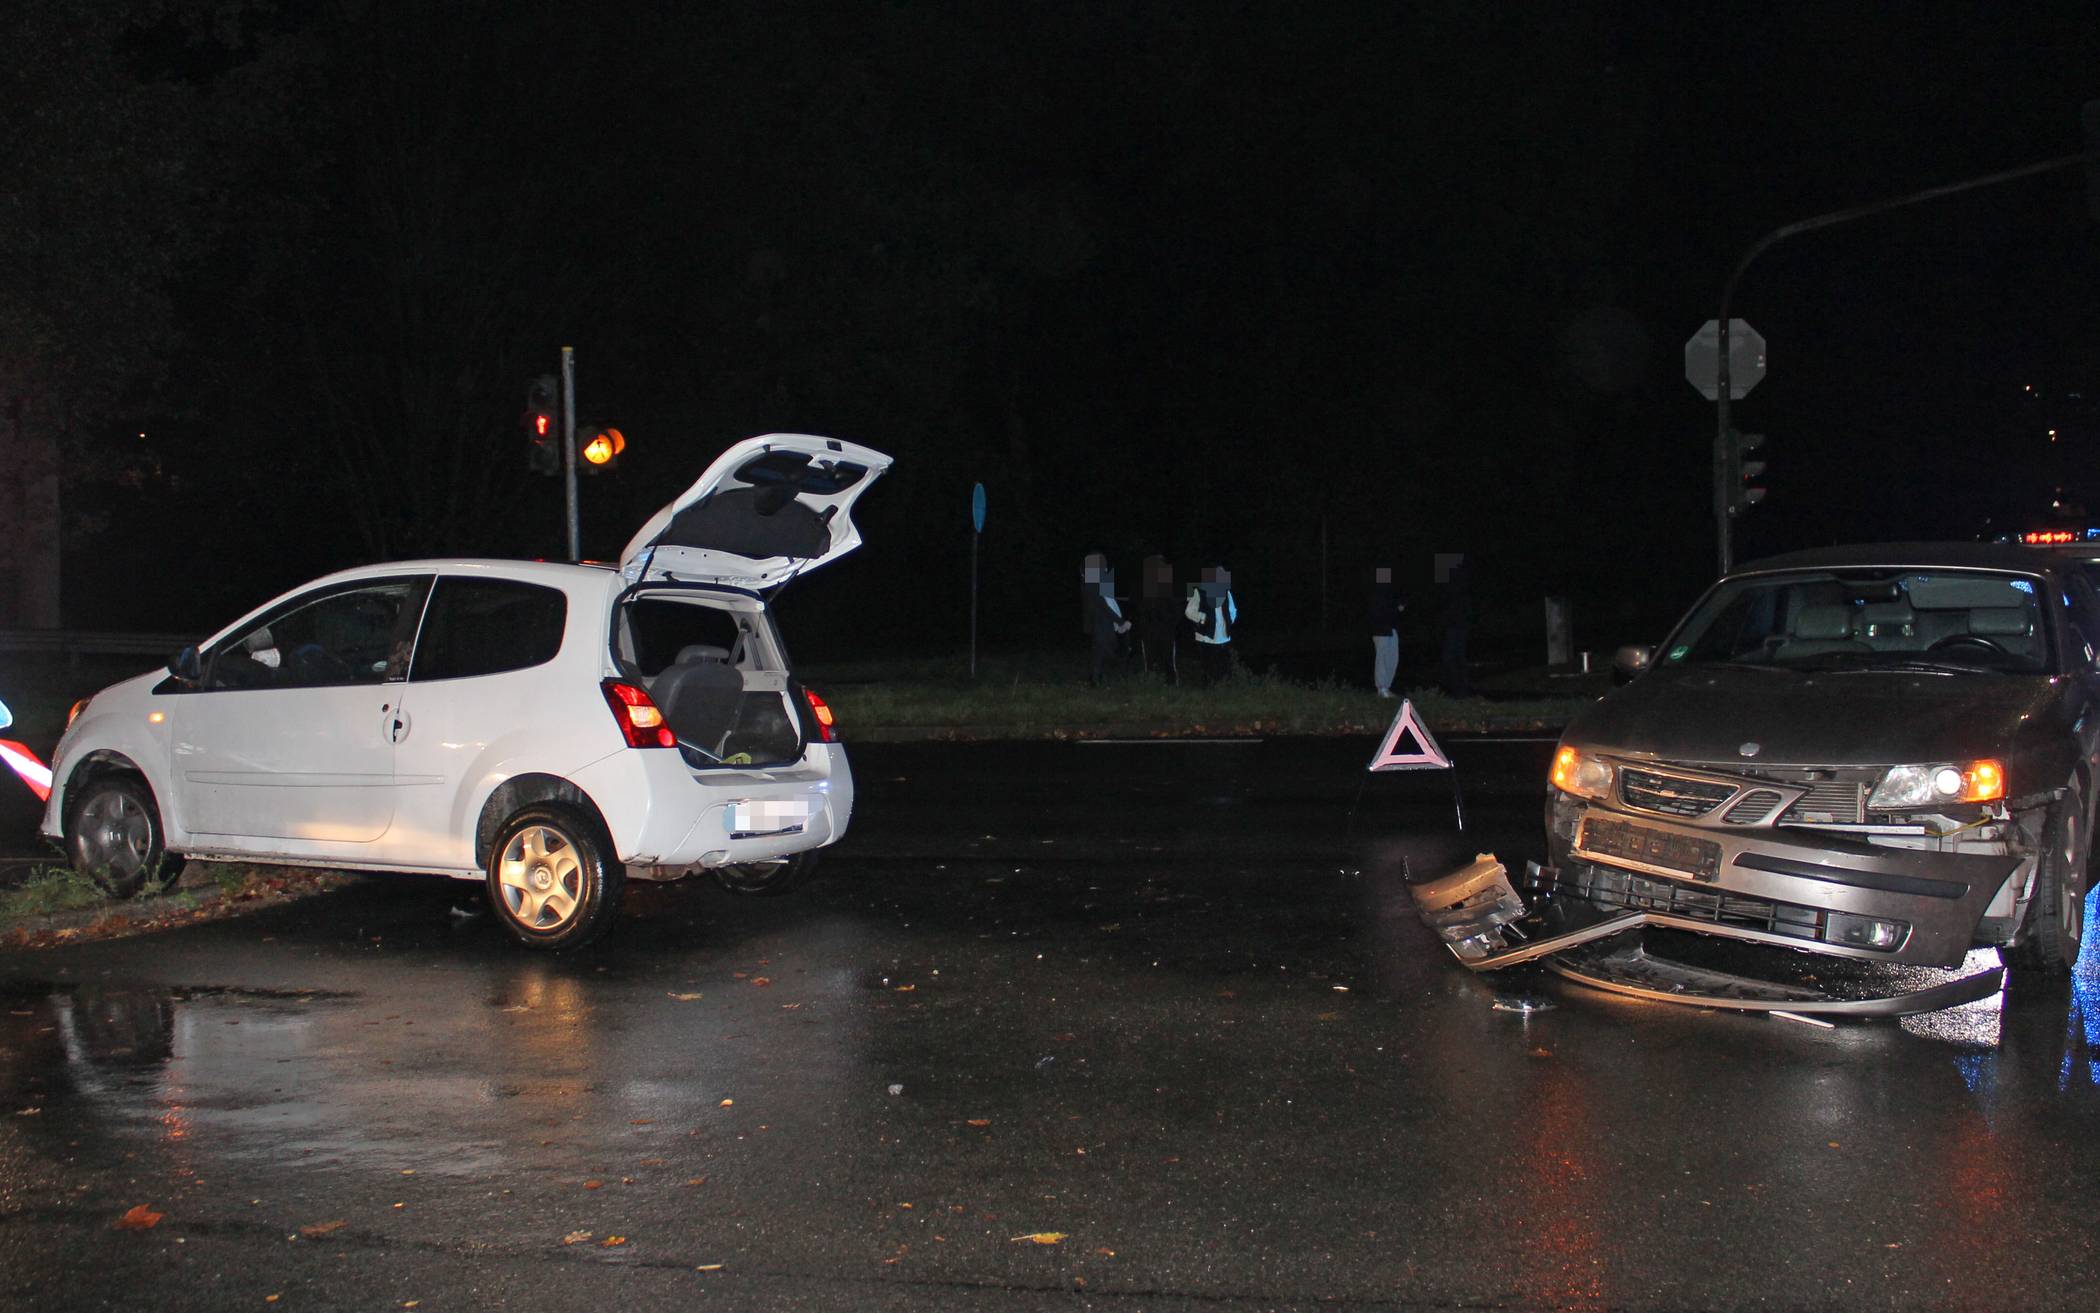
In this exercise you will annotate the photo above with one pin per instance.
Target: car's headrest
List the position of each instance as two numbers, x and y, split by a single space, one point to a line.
2000 621
1887 619
701 652
1823 622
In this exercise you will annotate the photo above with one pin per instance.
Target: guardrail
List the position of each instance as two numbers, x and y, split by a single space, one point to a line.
78 642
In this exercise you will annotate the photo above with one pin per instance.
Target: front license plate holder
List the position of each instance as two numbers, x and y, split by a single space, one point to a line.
1660 851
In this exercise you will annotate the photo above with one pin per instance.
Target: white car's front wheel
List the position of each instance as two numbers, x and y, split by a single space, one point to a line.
113 836
552 879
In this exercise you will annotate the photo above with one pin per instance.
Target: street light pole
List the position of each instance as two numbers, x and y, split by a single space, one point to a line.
568 447
1795 229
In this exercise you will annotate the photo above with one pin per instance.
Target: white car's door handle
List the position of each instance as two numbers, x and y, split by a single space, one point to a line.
393 723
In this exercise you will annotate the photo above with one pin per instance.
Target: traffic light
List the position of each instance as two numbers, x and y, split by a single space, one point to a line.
600 446
543 425
1738 474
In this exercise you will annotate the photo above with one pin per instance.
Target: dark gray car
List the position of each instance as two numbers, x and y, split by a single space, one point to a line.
1880 752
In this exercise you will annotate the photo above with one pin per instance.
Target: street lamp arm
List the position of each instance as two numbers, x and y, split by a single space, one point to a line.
1846 215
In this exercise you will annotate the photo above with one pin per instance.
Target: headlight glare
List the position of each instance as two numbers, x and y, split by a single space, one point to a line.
1581 774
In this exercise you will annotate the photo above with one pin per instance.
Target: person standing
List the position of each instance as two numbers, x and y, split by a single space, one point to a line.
1385 631
1456 577
1103 620
1213 611
1159 621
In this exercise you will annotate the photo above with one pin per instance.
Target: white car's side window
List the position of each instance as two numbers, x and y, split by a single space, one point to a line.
343 636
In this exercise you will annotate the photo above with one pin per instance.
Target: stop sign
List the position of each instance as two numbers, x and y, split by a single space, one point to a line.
1746 359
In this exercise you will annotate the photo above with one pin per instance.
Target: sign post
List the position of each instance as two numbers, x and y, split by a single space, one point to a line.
976 532
1724 360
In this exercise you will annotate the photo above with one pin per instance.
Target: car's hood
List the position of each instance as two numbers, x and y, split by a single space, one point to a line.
1863 718
768 509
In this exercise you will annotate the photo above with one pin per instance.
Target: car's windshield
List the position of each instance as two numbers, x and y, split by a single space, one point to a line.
1949 619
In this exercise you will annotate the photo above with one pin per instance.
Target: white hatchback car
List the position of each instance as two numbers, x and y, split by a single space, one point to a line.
552 730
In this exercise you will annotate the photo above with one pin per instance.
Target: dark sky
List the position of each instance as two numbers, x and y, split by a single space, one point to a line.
1273 284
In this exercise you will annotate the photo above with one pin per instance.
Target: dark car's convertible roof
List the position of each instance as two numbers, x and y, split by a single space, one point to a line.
1959 555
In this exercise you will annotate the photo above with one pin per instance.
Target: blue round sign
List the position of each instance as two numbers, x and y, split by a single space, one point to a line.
977 507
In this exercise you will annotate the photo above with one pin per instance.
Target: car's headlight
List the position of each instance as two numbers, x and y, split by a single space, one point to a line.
1581 774
1937 782
74 713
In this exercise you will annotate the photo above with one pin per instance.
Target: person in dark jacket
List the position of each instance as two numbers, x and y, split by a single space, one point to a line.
1159 621
1385 631
1103 621
1456 577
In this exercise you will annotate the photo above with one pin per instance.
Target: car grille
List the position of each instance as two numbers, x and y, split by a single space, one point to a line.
1637 893
1837 800
1756 806
1670 795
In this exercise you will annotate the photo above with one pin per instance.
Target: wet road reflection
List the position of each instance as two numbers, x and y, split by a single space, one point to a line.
1208 1044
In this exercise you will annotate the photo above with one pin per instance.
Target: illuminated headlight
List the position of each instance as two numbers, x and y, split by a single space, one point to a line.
1903 787
1579 773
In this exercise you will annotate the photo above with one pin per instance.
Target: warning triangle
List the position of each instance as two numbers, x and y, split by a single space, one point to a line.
1424 754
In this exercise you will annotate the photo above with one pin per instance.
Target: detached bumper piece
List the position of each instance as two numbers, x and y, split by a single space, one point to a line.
1482 919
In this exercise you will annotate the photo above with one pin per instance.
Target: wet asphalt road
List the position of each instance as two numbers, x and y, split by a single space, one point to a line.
1168 1003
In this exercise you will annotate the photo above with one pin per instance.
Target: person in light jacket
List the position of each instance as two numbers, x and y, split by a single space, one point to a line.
1385 631
1213 611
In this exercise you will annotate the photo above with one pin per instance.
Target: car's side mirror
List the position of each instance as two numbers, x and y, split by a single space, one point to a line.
186 665
1630 661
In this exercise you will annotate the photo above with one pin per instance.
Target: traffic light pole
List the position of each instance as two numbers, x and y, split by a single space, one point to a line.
1722 519
568 448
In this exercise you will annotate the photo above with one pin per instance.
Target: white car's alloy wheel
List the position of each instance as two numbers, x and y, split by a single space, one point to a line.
541 878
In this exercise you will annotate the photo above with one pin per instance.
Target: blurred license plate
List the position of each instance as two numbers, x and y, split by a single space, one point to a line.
758 816
1682 854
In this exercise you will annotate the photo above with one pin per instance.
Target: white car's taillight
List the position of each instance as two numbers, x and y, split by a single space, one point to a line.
820 715
639 720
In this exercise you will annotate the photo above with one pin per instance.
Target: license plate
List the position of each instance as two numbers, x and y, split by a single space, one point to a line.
756 816
1681 854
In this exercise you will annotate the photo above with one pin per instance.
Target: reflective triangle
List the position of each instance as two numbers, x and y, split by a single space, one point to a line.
34 773
1424 754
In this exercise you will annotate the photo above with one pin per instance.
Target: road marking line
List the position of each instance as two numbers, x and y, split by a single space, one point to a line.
1221 742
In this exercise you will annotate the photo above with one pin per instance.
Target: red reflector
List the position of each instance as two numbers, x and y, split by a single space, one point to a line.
820 711
639 720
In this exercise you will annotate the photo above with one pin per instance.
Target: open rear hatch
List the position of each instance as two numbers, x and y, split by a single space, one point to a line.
766 510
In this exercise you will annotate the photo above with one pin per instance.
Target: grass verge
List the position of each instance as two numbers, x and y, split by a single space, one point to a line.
1012 704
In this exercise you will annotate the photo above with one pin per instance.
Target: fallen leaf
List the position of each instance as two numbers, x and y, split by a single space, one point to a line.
906 989
696 1180
1042 1237
576 1237
727 1103
408 1171
652 1162
708 1267
271 1299
761 981
980 1121
612 1242
685 998
319 1229
789 1007
139 1218
643 1121
594 1185
1106 1252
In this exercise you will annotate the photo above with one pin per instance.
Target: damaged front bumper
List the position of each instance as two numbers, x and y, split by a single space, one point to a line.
1485 922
